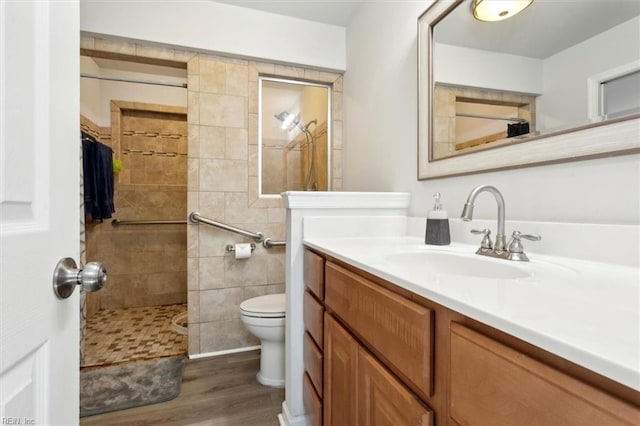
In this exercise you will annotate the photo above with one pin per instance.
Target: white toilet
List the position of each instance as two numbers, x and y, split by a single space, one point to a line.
264 317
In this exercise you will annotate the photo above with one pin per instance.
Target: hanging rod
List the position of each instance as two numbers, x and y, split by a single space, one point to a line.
116 222
134 80
491 117
195 218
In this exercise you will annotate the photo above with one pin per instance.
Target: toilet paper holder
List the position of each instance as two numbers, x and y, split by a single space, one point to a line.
232 248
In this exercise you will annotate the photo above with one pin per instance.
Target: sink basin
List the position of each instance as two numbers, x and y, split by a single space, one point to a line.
457 264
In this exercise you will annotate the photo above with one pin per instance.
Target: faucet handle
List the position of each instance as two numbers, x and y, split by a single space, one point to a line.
515 245
486 242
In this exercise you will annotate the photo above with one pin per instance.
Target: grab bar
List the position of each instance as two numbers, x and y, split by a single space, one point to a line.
116 222
268 243
195 218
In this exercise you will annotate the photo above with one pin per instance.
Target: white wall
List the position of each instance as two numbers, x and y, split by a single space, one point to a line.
380 151
485 69
564 103
218 28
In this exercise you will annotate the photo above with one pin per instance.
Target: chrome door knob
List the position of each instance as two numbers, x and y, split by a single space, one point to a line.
67 276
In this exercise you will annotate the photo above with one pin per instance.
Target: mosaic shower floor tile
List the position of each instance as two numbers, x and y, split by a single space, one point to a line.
116 336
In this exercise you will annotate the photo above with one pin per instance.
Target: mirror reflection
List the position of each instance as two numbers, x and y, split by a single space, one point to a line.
554 67
294 136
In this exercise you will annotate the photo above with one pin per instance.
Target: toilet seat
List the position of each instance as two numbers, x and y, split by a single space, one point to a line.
269 306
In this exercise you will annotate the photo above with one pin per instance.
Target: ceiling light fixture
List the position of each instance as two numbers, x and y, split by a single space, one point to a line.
497 10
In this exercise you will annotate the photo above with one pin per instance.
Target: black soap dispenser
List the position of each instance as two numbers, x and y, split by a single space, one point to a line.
437 232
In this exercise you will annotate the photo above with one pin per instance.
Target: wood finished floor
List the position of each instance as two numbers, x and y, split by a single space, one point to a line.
220 391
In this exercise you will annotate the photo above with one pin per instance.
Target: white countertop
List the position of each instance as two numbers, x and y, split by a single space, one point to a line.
586 312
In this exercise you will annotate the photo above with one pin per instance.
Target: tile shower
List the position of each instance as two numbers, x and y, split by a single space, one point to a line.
222 167
130 318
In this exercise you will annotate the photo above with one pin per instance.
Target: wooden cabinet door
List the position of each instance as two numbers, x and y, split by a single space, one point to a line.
397 330
340 368
383 400
493 384
314 274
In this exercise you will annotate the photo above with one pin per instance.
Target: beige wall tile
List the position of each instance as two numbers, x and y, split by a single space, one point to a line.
193 102
193 201
237 80
183 55
193 308
236 144
214 241
222 110
223 175
276 215
193 141
193 174
193 83
194 339
115 46
222 146
193 65
220 304
212 273
253 98
212 205
227 191
221 335
237 210
336 134
253 160
336 106
338 84
258 68
275 267
261 290
243 272
336 164
193 249
212 76
212 142
154 52
87 42
253 129
289 71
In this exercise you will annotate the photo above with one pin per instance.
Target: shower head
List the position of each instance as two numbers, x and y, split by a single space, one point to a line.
289 121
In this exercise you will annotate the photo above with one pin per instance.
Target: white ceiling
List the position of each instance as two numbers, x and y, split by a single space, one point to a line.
334 12
543 29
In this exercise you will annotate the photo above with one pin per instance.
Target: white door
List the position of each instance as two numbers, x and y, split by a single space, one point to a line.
39 209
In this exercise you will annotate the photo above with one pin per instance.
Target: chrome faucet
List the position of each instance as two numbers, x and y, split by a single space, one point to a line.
514 251
467 212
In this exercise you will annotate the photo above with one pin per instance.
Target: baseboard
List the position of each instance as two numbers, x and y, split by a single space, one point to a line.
285 418
225 352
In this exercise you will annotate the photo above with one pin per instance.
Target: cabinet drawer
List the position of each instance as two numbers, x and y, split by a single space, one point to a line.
312 403
383 400
313 362
397 329
313 311
501 386
314 274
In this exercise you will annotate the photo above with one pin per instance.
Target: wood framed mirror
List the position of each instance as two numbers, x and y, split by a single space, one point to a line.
517 71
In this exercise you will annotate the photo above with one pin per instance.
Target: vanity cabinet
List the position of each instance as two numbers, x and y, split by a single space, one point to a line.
313 351
340 404
392 357
502 386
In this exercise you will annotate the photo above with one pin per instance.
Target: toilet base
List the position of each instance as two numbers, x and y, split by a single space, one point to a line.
269 382
271 364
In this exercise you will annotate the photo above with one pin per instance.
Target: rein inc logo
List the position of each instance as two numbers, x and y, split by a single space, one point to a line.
17 421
